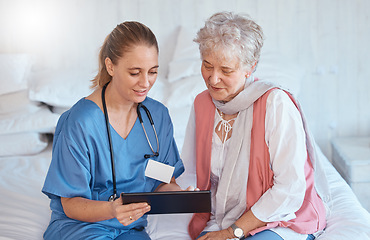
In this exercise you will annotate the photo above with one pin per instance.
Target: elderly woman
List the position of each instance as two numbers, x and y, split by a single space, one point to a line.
249 144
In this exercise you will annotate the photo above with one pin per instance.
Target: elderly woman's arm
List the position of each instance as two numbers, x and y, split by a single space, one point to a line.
285 138
247 222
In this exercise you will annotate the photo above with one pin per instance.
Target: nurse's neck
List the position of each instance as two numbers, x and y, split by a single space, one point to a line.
116 104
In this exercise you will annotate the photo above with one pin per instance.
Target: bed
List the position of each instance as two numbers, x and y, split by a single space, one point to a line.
32 104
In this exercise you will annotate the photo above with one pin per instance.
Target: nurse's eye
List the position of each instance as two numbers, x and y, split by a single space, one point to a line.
153 72
134 73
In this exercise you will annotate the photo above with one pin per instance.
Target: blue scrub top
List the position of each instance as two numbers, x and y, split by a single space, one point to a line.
81 164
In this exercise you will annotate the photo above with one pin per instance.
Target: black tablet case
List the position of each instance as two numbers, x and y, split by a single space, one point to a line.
172 202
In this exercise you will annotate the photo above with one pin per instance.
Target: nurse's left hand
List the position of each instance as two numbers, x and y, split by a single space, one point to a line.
128 213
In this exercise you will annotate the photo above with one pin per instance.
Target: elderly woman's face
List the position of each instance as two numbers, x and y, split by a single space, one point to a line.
224 79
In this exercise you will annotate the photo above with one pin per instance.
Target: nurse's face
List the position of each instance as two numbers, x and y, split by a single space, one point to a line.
224 79
135 73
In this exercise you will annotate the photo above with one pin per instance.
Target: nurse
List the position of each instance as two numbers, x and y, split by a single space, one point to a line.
79 181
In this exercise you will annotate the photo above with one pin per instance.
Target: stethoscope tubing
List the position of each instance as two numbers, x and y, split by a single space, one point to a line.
155 154
141 105
114 196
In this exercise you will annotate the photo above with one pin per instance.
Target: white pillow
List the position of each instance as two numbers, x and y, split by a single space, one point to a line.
183 92
59 110
158 91
14 69
180 118
275 67
41 120
16 102
180 101
186 59
62 89
22 143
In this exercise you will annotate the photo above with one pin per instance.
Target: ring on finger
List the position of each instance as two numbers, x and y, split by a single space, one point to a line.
130 218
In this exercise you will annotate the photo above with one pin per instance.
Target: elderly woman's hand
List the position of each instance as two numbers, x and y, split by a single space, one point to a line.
191 188
218 235
173 186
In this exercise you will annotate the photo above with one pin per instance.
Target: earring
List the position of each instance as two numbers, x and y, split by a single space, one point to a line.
247 75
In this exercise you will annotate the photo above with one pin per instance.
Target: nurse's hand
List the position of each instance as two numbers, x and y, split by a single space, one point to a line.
128 213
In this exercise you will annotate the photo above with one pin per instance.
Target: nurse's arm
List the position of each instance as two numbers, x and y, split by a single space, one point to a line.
87 210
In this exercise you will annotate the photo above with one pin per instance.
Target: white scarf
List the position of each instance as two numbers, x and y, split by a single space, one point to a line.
231 191
232 188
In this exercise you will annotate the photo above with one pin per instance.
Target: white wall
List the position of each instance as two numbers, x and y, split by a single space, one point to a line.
328 38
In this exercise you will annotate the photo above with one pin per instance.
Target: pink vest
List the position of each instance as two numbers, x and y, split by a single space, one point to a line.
310 218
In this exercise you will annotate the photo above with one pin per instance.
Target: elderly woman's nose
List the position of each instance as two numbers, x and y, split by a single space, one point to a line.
214 78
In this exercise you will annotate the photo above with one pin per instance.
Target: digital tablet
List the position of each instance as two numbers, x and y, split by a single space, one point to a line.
172 202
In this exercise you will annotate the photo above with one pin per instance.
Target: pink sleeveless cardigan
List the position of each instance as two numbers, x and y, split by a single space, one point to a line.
310 218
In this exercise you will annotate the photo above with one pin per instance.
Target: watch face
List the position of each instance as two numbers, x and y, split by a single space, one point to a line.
238 232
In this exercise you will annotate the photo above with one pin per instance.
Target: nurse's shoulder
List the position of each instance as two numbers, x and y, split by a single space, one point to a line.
83 113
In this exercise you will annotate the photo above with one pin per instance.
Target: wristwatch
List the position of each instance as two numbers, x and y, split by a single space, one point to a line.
238 232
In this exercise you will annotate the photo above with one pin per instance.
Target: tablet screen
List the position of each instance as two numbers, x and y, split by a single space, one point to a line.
172 202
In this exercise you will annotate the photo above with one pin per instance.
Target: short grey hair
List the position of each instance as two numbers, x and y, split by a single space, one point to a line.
236 35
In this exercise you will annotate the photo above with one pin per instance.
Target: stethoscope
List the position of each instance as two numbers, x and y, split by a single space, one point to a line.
155 154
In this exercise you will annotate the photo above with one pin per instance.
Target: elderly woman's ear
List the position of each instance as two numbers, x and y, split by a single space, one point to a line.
249 73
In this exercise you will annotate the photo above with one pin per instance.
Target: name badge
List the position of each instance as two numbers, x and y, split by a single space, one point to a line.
159 171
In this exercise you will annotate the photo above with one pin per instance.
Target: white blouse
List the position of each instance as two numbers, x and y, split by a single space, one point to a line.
220 149
285 138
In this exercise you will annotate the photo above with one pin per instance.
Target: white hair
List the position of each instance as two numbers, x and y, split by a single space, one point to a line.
235 35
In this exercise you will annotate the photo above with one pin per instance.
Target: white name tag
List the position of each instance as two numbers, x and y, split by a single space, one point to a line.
159 171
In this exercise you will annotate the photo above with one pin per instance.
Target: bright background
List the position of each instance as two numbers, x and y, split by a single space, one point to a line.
327 39
48 54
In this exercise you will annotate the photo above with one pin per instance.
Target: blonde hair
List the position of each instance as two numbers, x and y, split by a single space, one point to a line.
120 40
235 35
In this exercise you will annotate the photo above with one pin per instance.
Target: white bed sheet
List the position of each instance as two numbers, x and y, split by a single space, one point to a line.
24 209
25 212
347 219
